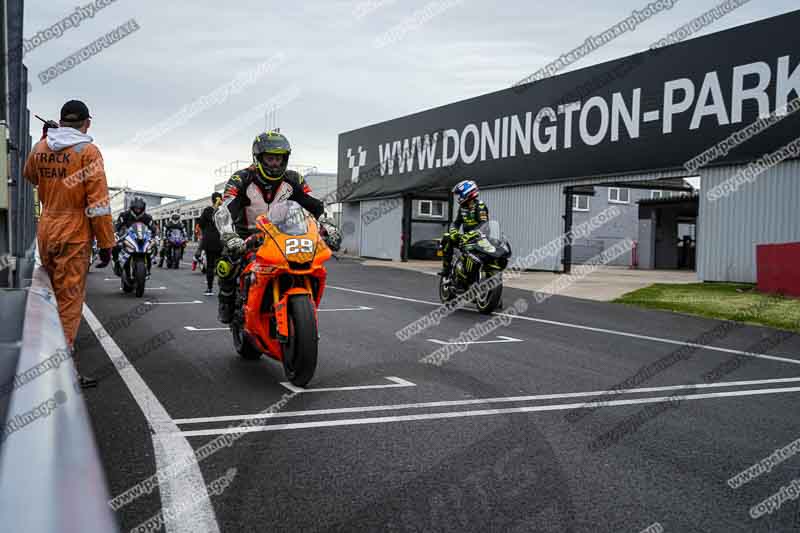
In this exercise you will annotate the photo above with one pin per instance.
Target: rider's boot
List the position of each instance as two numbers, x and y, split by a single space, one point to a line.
227 298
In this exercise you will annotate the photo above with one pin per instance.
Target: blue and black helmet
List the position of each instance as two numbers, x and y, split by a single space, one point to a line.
466 190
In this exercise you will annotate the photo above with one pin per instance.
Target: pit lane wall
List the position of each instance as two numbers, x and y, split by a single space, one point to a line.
51 476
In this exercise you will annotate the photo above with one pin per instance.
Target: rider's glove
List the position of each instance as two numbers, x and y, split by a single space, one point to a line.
234 243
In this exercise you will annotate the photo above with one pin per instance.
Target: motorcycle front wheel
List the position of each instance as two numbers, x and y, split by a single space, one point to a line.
300 351
445 290
139 276
489 300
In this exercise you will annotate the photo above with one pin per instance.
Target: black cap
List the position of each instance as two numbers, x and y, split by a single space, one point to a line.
74 111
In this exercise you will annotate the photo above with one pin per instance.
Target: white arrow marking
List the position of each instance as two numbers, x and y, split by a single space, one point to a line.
397 382
502 338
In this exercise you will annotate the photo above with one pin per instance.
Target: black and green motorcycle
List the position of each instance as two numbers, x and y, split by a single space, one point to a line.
477 267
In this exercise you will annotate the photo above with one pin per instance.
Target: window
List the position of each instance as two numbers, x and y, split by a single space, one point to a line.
431 208
580 203
617 195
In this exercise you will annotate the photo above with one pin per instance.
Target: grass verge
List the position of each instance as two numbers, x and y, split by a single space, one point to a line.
718 300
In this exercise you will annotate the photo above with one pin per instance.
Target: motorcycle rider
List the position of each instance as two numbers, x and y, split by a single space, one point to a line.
248 194
135 213
174 223
210 242
471 214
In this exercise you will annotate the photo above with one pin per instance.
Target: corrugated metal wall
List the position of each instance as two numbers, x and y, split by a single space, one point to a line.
532 215
351 228
762 212
380 237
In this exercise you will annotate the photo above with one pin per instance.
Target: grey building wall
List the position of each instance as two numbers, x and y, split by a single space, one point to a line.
762 212
351 228
321 183
626 225
424 231
531 215
381 237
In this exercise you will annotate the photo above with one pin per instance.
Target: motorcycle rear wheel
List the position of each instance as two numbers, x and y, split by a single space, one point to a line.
300 352
139 276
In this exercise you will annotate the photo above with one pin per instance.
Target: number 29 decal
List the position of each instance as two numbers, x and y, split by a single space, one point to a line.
294 246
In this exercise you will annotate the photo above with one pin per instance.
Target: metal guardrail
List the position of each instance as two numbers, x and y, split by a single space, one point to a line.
51 477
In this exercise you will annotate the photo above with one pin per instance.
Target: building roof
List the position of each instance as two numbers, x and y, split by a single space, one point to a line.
694 197
146 193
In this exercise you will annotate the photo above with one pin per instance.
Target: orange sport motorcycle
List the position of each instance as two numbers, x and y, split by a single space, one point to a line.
280 288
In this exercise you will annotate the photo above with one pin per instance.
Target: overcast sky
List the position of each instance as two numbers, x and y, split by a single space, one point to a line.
318 58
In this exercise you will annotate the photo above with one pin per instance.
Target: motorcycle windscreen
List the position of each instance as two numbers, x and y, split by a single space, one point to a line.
139 230
288 218
491 230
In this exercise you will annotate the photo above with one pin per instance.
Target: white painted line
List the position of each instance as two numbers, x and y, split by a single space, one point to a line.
502 339
483 412
389 296
168 446
484 401
359 308
110 279
655 339
784 359
162 288
174 303
397 382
